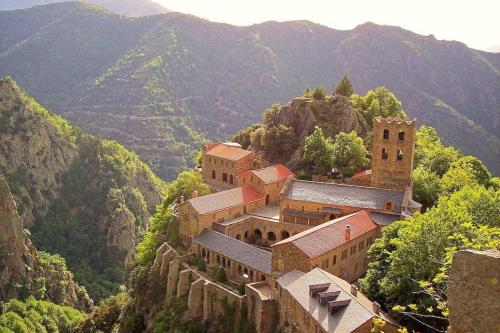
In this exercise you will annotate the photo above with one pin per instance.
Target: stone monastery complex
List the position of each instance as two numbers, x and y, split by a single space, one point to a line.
298 245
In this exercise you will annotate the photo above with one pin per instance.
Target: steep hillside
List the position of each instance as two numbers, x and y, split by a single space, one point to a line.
162 84
123 7
82 197
24 271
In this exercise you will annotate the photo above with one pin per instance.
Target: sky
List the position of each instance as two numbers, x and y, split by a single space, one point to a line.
476 22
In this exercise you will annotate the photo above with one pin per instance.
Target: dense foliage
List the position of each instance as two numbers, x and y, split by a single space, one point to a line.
318 152
105 316
37 316
413 256
349 153
378 102
164 224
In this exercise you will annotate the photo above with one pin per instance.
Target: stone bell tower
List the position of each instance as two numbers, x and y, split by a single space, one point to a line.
393 152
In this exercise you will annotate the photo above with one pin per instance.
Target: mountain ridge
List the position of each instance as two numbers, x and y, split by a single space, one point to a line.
175 80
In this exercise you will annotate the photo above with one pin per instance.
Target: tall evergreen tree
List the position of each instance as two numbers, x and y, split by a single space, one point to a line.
345 87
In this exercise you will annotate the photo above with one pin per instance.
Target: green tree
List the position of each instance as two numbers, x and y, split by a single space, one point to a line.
415 254
278 143
379 102
344 87
318 152
271 116
244 136
349 153
105 316
319 93
186 183
426 187
474 167
220 275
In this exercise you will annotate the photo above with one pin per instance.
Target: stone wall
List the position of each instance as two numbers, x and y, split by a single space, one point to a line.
388 171
203 296
474 292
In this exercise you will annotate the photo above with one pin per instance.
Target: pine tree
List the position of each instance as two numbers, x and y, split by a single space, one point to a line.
345 87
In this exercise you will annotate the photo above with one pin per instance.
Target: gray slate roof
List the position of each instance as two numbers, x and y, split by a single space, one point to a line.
236 250
347 319
343 195
384 219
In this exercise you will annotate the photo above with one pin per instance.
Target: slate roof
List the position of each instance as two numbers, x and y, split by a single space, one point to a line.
236 250
383 219
343 195
222 200
348 318
330 235
227 152
273 173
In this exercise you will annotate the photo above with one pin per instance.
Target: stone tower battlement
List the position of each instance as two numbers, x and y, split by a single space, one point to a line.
393 152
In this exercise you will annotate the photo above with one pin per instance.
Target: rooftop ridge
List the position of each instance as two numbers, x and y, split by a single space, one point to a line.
391 119
349 185
318 227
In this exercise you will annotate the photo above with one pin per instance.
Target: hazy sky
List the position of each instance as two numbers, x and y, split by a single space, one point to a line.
474 22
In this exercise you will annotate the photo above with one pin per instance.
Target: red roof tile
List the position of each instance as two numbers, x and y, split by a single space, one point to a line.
330 235
222 200
227 152
272 174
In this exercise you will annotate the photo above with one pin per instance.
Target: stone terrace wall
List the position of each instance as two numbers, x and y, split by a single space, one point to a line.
474 292
204 297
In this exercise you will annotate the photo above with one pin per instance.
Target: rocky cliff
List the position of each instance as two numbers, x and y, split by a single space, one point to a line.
24 271
85 198
334 114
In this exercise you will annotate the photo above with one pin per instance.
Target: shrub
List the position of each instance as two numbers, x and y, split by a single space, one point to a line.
319 93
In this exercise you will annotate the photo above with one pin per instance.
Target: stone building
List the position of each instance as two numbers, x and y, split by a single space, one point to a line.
243 262
313 203
267 180
222 163
200 213
339 247
393 152
317 302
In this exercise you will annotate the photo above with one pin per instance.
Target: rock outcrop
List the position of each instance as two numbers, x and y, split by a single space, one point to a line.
474 292
79 195
24 271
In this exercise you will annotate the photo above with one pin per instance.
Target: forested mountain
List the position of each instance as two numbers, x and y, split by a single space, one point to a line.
123 7
82 197
160 85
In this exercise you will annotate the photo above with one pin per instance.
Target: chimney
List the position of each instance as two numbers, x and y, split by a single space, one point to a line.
376 308
194 195
347 233
181 199
354 290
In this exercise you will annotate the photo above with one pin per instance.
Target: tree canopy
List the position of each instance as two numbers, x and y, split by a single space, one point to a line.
349 153
412 258
318 152
344 87
378 102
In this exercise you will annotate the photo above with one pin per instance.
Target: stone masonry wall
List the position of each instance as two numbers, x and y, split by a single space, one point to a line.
474 292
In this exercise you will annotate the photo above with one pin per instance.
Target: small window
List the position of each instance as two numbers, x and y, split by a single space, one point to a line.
399 155
224 177
213 174
386 134
388 205
334 260
401 136
231 179
384 154
353 249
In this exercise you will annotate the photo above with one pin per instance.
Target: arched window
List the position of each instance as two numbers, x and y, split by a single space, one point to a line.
384 154
401 136
388 205
238 237
258 234
213 174
386 134
271 236
334 260
284 234
399 155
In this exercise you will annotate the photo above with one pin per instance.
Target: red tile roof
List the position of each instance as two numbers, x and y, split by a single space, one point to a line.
227 152
272 174
226 199
362 173
330 235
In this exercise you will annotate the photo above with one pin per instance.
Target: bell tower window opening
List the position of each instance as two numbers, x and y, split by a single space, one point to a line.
384 154
399 155
386 134
401 136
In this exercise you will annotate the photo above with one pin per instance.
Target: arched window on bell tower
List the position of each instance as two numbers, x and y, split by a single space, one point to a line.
384 154
386 134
